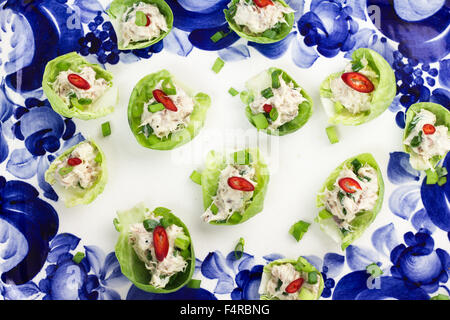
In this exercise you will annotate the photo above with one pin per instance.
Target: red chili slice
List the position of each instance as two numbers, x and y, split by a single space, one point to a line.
267 108
263 3
160 242
294 286
241 184
428 129
74 162
349 185
78 81
148 21
358 82
161 97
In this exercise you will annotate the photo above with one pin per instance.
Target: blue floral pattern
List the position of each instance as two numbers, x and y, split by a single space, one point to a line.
404 260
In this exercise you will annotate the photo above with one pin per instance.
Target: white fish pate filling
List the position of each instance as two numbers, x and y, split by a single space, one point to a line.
284 274
64 89
343 206
83 175
352 100
130 32
161 271
227 199
436 144
256 19
165 122
286 100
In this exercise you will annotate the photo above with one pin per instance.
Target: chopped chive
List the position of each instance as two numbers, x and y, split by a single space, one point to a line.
116 224
196 177
219 35
75 103
235 218
279 284
432 176
65 170
299 229
194 284
260 121
218 65
150 224
84 101
182 242
357 66
442 181
141 19
276 79
106 129
98 157
78 257
233 92
156 107
239 249
332 134
356 165
312 277
299 265
273 114
267 93
168 87
214 209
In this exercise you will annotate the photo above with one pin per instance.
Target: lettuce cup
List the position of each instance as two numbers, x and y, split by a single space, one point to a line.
261 21
351 199
426 135
79 174
288 279
163 114
140 23
78 89
234 186
154 249
276 104
362 92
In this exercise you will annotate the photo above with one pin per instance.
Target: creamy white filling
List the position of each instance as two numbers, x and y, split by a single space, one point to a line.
130 32
165 122
436 144
227 199
64 89
258 20
286 100
82 175
354 101
161 271
343 206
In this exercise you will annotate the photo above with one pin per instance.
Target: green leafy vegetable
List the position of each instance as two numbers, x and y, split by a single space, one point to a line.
299 229
150 224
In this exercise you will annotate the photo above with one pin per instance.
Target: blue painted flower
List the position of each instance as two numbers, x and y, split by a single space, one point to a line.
333 264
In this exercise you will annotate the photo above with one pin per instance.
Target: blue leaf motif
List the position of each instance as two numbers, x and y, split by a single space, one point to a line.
245 262
358 8
111 274
384 239
88 9
201 38
65 239
399 169
236 53
444 73
315 261
359 258
404 200
302 55
274 50
334 263
177 42
4 150
13 246
22 164
214 267
273 257
49 192
203 6
95 256
27 291
421 220
417 10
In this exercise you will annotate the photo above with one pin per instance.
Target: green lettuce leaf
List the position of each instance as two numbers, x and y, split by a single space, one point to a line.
442 119
142 93
276 33
133 268
216 162
303 265
119 7
76 196
101 107
382 96
263 81
363 219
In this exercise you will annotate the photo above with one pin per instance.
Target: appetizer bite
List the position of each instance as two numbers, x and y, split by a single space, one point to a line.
234 186
78 89
163 114
275 103
288 279
351 199
262 21
140 23
154 249
79 174
426 136
362 92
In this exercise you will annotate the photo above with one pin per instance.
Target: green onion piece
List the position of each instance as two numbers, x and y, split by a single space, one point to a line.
156 107
279 284
141 19
196 177
332 134
276 79
299 229
98 157
106 129
75 103
214 209
246 97
84 101
432 176
233 92
194 284
182 242
324 214
168 87
218 36
235 218
442 181
239 249
357 66
242 157
65 170
150 224
273 114
116 224
267 93
440 296
299 265
160 211
312 277
260 121
78 257
356 166
218 65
